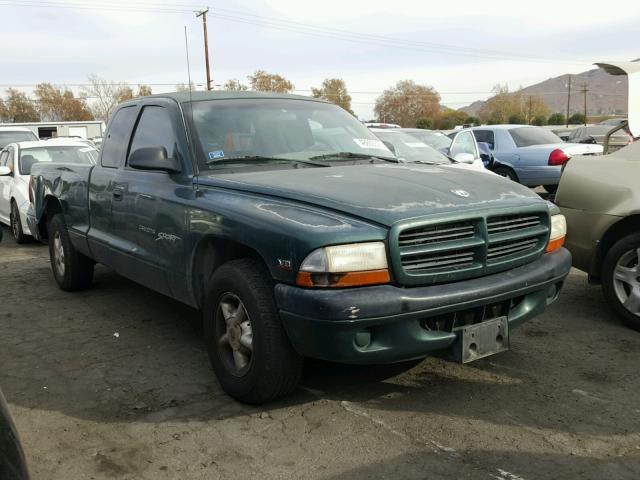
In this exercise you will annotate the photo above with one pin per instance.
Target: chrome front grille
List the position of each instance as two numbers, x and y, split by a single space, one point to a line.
436 252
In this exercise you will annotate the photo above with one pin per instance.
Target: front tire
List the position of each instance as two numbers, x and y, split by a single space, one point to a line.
71 269
16 224
621 279
247 344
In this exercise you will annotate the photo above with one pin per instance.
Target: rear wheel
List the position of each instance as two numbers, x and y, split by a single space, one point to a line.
248 347
621 279
550 188
16 224
506 172
71 269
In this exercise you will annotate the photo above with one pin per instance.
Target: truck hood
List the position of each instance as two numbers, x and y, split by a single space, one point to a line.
384 193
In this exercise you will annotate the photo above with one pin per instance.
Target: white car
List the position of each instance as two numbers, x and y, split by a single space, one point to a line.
10 134
408 148
16 160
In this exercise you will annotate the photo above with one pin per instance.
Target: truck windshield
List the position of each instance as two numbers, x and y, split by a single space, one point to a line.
255 130
61 154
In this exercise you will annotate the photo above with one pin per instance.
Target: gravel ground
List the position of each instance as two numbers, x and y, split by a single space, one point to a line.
114 382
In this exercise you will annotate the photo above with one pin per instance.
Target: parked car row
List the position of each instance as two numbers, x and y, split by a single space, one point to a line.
16 161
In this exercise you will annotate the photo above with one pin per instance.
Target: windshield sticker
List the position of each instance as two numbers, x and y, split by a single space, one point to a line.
217 154
416 145
370 143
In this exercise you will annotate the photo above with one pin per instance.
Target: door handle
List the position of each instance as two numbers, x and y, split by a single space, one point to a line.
117 194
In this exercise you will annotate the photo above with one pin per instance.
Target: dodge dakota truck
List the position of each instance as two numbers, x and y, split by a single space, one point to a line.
299 234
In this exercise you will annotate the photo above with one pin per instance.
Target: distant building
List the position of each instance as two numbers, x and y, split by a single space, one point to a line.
89 129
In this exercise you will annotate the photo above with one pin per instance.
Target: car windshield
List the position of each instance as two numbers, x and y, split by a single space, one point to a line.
528 136
259 133
409 149
61 154
439 141
14 137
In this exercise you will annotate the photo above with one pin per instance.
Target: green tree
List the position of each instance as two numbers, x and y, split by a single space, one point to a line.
450 118
234 85
557 119
577 119
517 118
334 90
18 108
57 105
425 123
406 102
473 121
539 120
262 81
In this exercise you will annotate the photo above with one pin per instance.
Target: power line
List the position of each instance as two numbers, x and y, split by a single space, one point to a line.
298 27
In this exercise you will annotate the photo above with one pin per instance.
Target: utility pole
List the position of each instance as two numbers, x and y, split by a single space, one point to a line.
584 92
568 99
203 14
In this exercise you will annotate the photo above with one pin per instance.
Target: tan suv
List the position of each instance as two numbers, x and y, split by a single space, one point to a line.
600 198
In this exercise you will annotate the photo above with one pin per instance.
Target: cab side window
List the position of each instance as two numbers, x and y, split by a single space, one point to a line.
464 143
3 158
114 146
485 136
155 129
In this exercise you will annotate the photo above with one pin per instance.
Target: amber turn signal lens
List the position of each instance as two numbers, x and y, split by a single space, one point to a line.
554 245
341 280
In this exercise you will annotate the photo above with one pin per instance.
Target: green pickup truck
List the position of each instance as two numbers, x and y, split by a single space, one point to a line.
299 234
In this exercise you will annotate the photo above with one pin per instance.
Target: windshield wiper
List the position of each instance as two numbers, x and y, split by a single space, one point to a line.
263 159
353 155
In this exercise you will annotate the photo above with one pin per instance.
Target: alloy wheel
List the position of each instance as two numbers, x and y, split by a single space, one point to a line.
234 333
58 254
626 280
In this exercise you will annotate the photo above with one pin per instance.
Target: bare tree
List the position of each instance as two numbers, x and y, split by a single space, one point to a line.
105 95
262 81
181 87
234 85
334 90
144 91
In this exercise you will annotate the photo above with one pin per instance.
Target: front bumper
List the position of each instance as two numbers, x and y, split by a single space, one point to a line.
386 323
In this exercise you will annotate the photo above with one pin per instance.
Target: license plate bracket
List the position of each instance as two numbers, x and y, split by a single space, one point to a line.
482 340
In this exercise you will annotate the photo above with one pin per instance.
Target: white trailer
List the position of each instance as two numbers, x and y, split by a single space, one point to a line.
88 129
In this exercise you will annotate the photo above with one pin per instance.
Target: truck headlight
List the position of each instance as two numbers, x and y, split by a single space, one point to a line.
558 233
351 265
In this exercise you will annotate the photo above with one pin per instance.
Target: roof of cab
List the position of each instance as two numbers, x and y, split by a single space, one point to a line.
199 95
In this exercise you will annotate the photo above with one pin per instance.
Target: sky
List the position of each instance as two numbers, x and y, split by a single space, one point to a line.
461 48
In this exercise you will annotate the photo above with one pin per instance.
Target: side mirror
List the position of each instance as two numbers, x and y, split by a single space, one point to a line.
154 158
463 157
5 171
